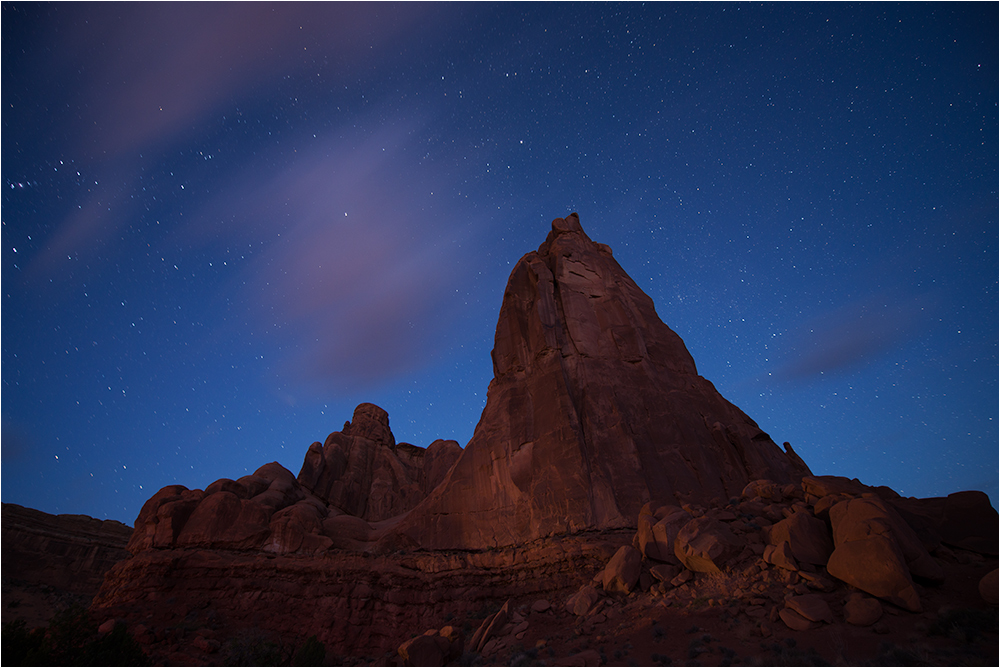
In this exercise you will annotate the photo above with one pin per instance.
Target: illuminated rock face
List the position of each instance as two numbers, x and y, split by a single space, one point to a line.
362 471
595 409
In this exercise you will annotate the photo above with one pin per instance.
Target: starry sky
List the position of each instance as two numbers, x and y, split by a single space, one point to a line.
226 225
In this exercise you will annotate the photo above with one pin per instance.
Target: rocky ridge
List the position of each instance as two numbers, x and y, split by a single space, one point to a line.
601 454
52 560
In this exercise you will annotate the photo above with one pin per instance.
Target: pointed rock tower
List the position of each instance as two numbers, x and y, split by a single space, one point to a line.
595 409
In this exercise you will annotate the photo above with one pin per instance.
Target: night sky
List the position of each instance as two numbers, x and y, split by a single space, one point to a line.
224 226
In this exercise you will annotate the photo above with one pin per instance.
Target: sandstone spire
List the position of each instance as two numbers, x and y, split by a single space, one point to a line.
595 408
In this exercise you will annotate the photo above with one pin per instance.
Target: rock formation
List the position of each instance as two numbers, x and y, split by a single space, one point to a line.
597 432
70 552
595 409
359 477
51 561
362 470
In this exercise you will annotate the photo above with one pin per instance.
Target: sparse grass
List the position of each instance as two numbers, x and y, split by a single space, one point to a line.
255 648
964 625
891 654
71 639
312 653
787 654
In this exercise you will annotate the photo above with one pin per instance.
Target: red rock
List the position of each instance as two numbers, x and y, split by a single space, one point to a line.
541 605
205 645
441 455
69 553
364 472
875 565
662 534
824 485
781 556
966 520
859 518
582 601
682 577
622 572
811 606
595 409
795 621
762 489
587 657
489 628
988 587
821 507
808 538
664 572
861 610
222 519
297 528
424 650
705 545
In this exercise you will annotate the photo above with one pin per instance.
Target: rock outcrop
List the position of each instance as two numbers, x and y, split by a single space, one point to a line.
68 552
601 458
362 471
595 409
52 561
359 477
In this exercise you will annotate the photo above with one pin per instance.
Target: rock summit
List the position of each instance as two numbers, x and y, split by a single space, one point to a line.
595 409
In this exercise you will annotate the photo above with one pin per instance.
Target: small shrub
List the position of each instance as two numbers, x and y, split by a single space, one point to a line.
253 648
71 639
964 624
312 653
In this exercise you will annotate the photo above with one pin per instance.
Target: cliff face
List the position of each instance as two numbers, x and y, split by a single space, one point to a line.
68 552
595 409
52 561
362 470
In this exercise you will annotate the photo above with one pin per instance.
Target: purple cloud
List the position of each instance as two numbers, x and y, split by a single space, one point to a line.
854 334
360 259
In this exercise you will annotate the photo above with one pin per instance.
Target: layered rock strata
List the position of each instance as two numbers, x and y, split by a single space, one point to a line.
67 552
356 603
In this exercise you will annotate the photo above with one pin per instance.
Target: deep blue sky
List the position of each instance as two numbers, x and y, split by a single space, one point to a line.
224 226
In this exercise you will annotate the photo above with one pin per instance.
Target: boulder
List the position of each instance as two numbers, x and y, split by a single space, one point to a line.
988 587
763 489
583 600
664 572
966 520
825 485
861 610
622 572
540 606
811 606
858 519
809 538
424 650
795 621
489 628
780 555
875 565
669 520
705 545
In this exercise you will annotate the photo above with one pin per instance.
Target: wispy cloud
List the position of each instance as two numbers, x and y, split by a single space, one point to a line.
855 334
